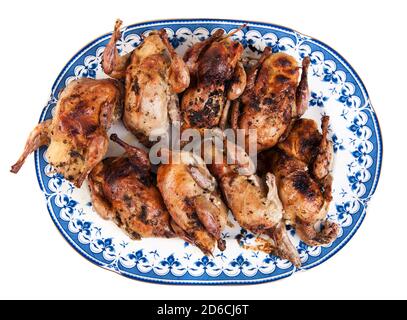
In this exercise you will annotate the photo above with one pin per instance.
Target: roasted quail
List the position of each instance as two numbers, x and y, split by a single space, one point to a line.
273 98
76 136
218 77
192 198
254 201
153 74
122 190
302 169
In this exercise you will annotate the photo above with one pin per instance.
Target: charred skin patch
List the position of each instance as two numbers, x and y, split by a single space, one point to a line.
196 118
281 79
88 130
132 234
80 120
191 213
116 171
309 145
118 220
303 184
275 105
254 103
292 71
189 203
168 234
127 201
79 109
193 216
143 214
209 115
268 101
235 79
136 87
125 168
143 175
74 132
75 154
283 62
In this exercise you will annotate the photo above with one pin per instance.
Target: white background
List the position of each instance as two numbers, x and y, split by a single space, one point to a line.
38 38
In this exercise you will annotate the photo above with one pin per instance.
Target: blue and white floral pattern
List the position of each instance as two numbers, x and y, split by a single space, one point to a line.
336 91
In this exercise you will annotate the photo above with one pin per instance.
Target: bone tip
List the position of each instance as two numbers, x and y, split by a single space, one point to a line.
118 23
325 121
297 263
114 137
267 50
15 168
306 62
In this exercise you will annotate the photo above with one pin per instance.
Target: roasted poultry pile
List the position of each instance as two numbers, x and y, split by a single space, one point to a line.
187 198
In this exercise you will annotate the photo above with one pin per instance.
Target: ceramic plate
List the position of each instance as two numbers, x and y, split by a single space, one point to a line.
336 90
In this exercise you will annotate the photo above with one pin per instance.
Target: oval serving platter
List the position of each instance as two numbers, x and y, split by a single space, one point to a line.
336 90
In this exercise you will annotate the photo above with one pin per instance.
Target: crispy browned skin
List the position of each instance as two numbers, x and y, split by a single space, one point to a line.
301 195
303 141
272 98
218 76
122 190
254 202
191 196
76 136
153 74
301 167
